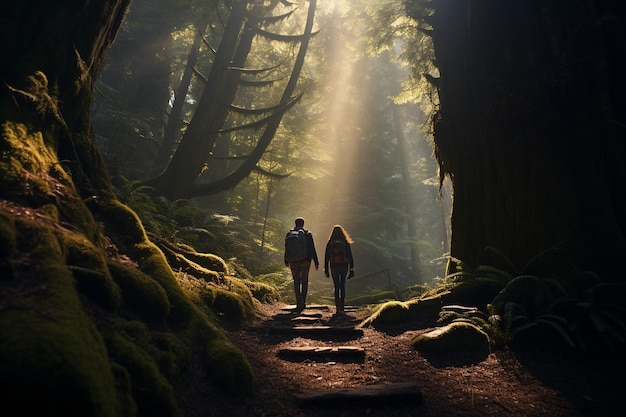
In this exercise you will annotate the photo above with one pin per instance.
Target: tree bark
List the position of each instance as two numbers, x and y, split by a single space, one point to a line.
531 128
65 63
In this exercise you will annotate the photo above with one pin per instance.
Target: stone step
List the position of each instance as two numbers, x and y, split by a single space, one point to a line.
293 307
317 330
306 319
390 393
323 353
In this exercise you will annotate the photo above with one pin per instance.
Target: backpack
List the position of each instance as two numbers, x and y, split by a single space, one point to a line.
296 246
337 252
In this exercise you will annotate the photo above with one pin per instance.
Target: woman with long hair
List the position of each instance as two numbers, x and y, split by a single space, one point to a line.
339 263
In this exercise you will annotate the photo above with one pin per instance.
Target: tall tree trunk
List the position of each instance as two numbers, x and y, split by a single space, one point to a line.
531 127
53 70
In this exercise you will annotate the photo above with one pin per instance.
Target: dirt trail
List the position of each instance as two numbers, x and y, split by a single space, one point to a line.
315 364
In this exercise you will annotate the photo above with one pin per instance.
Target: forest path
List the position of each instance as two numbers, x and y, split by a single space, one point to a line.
317 336
316 364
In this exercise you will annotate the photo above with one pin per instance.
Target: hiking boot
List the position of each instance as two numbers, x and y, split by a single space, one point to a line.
299 304
339 306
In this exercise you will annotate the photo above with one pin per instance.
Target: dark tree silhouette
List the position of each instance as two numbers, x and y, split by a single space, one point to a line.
531 127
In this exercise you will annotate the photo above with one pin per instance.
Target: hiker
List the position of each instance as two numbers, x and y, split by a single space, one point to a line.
339 257
299 251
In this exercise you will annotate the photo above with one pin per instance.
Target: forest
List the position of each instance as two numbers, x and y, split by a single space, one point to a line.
155 153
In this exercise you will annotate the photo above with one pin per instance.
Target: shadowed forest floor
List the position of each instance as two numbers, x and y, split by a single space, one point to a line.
532 383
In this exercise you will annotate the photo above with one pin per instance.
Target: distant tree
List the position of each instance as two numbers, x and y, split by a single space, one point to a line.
131 108
174 122
245 22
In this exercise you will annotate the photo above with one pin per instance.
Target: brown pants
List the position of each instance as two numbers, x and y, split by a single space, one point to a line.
300 273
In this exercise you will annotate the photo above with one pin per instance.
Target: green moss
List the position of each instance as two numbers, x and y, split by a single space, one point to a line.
7 235
207 261
265 293
389 313
230 305
141 294
233 367
126 406
152 263
151 391
125 221
455 337
178 261
241 288
51 355
89 268
172 354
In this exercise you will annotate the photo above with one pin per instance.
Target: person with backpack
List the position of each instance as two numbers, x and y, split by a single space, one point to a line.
338 257
299 252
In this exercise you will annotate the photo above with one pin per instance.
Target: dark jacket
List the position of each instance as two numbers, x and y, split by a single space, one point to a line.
350 263
310 246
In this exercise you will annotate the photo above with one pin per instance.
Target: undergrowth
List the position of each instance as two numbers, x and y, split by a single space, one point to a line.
547 302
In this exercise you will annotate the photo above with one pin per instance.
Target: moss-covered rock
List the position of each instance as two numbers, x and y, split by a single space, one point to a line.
389 313
457 337
417 313
263 292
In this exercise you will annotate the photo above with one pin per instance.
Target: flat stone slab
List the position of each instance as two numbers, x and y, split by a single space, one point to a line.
293 307
306 319
339 353
365 394
318 330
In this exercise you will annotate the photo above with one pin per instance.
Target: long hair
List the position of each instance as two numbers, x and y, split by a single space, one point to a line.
340 233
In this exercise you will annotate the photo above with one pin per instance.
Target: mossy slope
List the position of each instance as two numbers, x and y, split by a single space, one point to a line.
93 320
